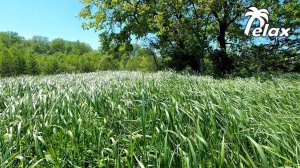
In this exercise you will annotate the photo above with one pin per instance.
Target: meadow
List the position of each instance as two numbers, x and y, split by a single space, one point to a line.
136 119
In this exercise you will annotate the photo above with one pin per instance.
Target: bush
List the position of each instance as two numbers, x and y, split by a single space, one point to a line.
108 63
143 60
258 59
222 63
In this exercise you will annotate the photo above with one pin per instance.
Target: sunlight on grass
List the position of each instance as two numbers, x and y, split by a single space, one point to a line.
131 119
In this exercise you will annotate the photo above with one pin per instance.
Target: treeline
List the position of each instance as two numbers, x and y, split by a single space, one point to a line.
206 36
38 55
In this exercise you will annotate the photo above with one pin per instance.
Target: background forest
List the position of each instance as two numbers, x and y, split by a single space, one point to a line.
205 37
41 56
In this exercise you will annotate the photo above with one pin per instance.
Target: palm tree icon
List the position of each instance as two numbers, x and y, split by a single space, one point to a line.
262 15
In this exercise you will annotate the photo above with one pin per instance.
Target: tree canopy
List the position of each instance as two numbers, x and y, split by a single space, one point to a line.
185 31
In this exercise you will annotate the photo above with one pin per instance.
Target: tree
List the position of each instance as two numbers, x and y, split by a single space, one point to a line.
5 62
32 65
38 55
50 65
227 14
142 60
108 63
77 48
8 39
18 65
286 15
57 45
276 53
39 44
180 26
119 54
12 48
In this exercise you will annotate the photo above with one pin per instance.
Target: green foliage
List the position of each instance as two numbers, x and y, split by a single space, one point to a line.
17 52
143 60
258 59
5 63
39 45
32 65
57 45
174 23
184 34
39 56
183 31
69 47
108 63
8 39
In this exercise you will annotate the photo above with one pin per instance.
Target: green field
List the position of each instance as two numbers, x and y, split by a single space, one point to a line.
133 119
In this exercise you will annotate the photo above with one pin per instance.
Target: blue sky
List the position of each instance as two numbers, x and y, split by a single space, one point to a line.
49 18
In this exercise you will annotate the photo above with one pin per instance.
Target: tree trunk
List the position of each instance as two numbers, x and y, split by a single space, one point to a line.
156 62
223 62
201 65
221 36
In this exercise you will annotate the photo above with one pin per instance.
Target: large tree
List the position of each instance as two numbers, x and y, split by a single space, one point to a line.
182 29
227 14
178 27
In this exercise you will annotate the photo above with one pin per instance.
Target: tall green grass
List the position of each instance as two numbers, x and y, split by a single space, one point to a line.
130 119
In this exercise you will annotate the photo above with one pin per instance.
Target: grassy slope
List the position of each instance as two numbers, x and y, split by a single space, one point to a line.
163 119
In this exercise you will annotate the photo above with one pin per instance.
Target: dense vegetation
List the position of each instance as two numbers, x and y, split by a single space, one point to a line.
160 119
129 119
205 36
41 56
